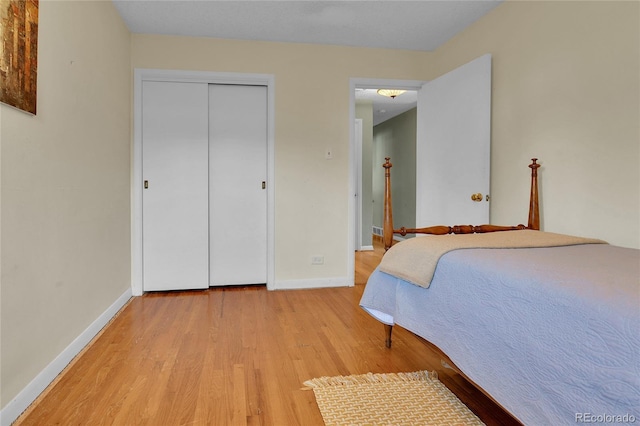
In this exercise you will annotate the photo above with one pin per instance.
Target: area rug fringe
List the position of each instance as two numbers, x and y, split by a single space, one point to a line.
414 376
411 399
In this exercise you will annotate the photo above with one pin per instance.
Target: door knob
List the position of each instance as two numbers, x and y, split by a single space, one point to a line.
476 197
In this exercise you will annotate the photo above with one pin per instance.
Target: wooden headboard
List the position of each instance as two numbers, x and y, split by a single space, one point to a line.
388 230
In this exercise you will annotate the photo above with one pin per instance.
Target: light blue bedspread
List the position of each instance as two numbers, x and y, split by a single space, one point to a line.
553 334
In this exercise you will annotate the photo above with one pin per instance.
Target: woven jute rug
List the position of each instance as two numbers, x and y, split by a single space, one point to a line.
417 398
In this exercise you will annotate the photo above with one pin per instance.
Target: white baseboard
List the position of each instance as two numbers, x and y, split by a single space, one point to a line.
313 283
21 402
366 248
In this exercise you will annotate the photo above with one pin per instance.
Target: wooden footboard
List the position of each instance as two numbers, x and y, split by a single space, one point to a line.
389 231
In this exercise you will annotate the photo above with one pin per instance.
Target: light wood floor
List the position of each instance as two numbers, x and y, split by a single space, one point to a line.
236 355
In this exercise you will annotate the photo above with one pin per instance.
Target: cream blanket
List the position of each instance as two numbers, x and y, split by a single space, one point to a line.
415 259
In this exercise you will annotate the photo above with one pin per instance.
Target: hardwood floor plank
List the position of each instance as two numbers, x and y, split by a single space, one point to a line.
234 356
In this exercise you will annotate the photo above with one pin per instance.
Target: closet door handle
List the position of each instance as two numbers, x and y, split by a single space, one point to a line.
146 184
264 185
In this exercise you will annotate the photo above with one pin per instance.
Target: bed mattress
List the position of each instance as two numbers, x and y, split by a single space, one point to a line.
553 334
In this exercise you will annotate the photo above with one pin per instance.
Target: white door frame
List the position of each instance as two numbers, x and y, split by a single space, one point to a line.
140 75
357 165
355 181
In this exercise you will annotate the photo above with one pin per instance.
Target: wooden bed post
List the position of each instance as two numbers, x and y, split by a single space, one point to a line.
387 225
388 329
534 209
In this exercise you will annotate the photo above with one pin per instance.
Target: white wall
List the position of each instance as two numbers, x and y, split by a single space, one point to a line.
565 90
65 190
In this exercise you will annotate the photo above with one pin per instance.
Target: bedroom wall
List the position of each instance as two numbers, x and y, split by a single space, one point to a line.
311 114
65 179
565 90
396 138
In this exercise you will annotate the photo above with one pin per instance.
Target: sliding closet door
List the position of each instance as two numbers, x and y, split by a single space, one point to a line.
237 185
175 197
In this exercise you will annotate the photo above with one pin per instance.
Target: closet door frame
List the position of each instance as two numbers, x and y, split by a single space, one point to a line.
145 74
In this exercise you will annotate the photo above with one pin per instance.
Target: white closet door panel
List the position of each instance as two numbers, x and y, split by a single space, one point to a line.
238 167
175 204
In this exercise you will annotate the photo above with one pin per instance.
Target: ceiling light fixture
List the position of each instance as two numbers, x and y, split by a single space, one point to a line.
390 93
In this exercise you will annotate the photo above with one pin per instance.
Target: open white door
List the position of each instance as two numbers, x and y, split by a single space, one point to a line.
453 146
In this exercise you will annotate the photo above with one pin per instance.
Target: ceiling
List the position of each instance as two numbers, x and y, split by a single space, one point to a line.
420 25
393 24
385 108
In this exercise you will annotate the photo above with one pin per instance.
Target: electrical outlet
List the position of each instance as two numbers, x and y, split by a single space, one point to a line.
317 260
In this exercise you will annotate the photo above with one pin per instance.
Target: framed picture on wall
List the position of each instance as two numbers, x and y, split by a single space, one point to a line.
19 53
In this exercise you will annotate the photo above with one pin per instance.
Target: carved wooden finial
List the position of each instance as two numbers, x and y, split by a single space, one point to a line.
534 166
387 164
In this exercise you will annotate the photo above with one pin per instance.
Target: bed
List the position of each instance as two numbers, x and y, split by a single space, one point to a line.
548 327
